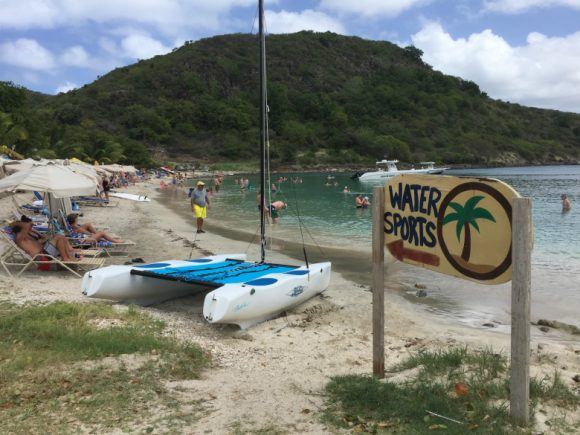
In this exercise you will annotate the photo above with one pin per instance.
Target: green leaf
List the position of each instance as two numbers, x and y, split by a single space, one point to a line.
450 218
474 225
481 213
457 207
472 202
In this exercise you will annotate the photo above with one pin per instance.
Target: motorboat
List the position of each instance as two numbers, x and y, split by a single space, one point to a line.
388 169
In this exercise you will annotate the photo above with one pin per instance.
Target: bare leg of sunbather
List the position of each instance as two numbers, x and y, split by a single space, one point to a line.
64 248
89 227
102 235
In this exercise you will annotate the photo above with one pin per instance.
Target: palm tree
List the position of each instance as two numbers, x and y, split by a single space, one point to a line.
466 217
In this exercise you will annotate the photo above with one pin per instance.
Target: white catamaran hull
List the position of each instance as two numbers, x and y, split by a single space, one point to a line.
248 304
118 284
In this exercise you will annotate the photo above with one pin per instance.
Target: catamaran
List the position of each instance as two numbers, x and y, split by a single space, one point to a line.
241 292
388 169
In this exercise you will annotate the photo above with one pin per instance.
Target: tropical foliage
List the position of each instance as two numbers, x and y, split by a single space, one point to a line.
332 99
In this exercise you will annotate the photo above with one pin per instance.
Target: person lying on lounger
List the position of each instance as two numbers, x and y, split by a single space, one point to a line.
34 243
90 230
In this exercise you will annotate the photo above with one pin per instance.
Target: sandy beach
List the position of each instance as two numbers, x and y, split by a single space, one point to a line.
273 374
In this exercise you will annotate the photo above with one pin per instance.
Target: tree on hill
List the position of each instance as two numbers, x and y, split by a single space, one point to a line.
337 95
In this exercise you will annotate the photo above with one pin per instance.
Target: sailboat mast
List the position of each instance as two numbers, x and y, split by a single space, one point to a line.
262 132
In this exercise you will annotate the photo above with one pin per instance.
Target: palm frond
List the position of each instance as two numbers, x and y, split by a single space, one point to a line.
472 202
450 218
481 213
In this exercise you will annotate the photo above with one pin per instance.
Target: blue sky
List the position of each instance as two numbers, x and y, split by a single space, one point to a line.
522 51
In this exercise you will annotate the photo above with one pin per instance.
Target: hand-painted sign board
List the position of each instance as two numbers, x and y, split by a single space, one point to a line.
459 226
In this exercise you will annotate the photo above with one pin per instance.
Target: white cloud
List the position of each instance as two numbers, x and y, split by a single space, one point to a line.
515 6
290 22
541 73
26 53
168 16
75 56
65 87
140 46
370 8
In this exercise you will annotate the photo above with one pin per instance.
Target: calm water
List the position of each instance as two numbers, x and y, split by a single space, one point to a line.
330 216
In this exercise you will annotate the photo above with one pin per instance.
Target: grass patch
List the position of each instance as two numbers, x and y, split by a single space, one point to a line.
469 387
54 374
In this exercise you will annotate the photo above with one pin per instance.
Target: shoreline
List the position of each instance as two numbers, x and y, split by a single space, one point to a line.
475 305
291 169
288 359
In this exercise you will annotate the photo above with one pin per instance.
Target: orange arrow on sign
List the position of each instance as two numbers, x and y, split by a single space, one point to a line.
398 251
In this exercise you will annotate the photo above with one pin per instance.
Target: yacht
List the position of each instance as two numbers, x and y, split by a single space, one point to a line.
388 169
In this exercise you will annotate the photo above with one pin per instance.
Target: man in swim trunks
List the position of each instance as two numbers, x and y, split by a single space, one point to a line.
29 241
275 207
199 204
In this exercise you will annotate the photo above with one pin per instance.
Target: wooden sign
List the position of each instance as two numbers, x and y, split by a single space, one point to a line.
459 226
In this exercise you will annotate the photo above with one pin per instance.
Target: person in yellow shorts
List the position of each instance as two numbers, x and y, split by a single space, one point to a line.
200 204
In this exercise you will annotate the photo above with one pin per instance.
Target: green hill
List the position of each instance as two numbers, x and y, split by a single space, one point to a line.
332 99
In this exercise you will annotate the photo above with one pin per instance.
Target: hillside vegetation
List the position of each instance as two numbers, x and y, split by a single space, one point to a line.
332 99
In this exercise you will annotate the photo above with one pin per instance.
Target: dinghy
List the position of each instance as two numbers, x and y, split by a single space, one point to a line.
240 292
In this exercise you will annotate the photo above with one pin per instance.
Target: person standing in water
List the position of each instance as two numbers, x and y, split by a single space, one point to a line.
566 205
199 204
275 207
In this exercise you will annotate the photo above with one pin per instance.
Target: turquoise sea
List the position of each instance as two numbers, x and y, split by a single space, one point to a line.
329 215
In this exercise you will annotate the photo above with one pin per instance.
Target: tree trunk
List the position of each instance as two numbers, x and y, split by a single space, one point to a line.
467 244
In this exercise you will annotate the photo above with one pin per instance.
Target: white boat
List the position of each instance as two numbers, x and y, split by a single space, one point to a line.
261 299
388 169
241 292
128 284
431 169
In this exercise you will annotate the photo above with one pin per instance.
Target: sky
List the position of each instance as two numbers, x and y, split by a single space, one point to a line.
520 51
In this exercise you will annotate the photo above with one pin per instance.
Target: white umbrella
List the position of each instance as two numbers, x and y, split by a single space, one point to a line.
57 180
14 166
130 169
86 170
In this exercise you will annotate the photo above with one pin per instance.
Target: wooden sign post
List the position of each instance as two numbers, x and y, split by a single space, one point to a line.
458 226
378 283
521 304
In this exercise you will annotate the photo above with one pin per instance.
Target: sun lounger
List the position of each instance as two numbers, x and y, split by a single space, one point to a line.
109 247
37 219
95 201
29 208
15 256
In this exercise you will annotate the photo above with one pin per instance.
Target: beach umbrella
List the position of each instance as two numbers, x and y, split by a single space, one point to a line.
129 169
13 166
78 161
57 180
86 170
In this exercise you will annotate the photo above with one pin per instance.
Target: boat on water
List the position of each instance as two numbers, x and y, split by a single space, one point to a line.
240 292
388 169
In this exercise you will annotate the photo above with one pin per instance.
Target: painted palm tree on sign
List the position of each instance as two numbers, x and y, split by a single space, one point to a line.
466 217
